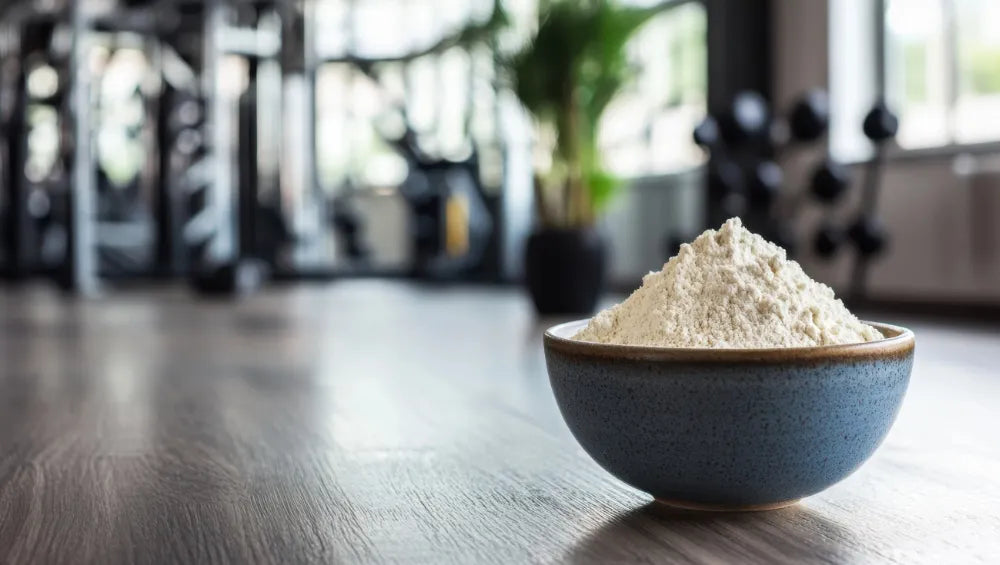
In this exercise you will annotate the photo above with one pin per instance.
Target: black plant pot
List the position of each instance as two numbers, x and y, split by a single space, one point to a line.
564 270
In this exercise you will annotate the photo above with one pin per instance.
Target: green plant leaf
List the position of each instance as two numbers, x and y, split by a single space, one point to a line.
566 77
607 69
603 186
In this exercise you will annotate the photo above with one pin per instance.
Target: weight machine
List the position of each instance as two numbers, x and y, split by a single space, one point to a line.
188 185
166 139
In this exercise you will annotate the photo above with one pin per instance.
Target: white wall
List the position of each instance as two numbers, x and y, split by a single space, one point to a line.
640 220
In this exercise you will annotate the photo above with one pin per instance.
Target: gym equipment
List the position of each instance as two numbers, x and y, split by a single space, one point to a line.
765 184
706 133
866 233
829 181
35 157
880 123
810 117
748 118
226 101
725 179
869 235
743 177
251 234
451 224
180 188
349 226
236 278
827 240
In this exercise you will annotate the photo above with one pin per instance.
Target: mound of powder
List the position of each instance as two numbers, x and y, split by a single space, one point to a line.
729 289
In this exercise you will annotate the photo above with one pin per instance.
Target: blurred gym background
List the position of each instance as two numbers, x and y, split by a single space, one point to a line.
231 144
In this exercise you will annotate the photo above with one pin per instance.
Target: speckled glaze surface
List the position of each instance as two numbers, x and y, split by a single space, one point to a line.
729 429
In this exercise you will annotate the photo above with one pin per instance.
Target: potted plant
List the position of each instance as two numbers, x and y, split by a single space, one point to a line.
565 78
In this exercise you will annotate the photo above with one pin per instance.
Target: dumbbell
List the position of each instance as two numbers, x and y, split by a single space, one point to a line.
830 180
747 118
189 112
810 117
828 240
764 183
869 235
880 123
725 179
706 133
188 141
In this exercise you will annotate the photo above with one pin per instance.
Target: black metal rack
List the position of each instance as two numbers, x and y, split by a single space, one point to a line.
205 205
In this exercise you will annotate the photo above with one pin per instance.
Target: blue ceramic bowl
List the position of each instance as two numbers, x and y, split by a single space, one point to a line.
729 429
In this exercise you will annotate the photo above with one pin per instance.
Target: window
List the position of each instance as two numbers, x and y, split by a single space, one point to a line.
448 97
371 87
941 71
977 101
646 130
917 78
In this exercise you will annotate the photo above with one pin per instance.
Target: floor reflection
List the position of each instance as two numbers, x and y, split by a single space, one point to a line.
655 533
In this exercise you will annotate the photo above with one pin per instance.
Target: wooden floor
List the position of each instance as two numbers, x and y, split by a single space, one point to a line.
372 422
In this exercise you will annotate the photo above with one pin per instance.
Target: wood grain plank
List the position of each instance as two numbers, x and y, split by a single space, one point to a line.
370 422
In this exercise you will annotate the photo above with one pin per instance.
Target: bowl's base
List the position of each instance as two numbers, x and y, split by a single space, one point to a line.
685 505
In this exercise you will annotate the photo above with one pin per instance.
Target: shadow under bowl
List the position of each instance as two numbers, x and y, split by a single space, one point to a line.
729 429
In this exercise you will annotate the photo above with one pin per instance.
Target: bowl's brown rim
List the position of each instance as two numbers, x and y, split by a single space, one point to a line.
899 343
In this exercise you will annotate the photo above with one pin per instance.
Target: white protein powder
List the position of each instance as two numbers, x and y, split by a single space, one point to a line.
729 289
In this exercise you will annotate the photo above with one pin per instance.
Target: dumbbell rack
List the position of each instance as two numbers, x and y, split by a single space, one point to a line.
31 203
203 200
744 180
